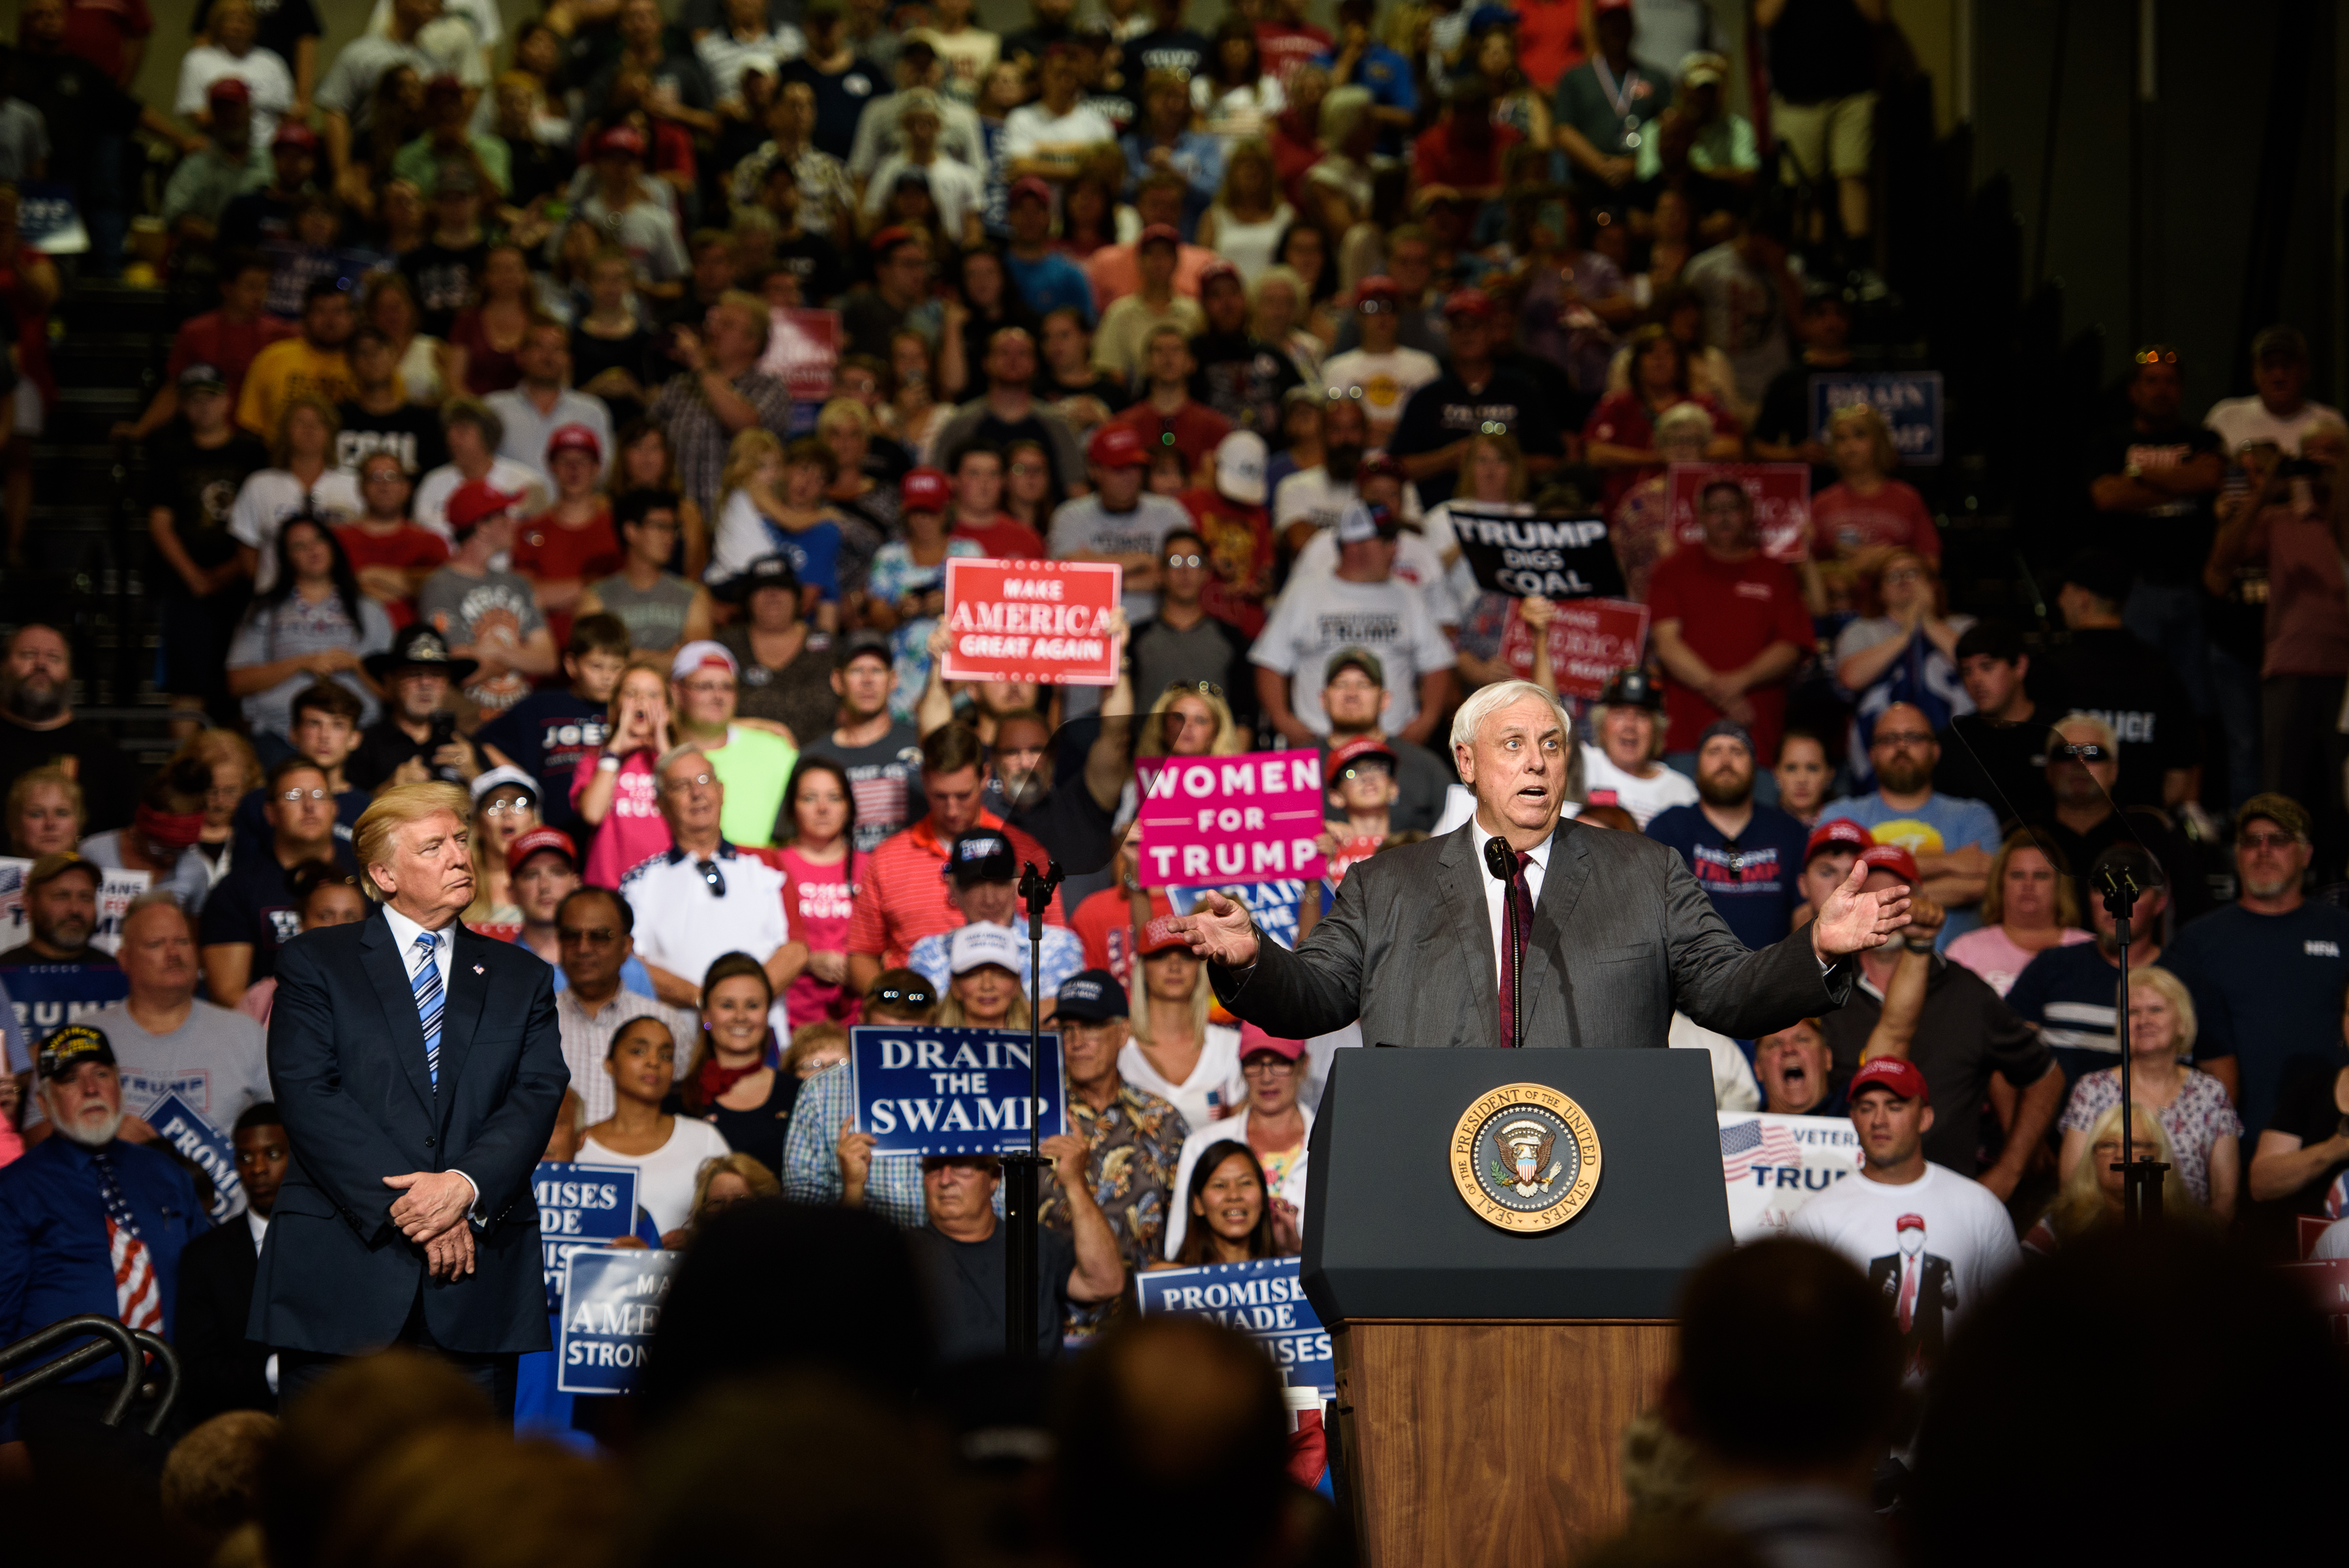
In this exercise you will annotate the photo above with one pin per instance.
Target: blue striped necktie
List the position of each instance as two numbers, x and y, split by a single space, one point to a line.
429 1002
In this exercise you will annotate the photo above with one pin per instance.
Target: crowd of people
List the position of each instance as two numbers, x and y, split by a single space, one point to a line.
588 417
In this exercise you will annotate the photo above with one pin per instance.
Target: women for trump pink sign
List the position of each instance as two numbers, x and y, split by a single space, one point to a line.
1253 818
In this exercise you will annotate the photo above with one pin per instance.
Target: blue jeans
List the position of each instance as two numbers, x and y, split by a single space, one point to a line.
2170 616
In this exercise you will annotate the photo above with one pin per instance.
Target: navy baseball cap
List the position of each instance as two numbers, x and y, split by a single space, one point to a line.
65 1051
981 855
1091 995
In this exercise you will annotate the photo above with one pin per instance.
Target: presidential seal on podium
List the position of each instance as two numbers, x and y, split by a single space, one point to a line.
1526 1157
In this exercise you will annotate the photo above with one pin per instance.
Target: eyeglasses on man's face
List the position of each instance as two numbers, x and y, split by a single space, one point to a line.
585 936
691 781
295 797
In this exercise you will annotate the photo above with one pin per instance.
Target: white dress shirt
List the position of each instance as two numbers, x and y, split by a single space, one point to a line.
1536 869
258 1225
444 953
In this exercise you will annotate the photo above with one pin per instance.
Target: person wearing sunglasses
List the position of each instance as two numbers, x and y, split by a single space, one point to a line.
704 899
253 912
1183 646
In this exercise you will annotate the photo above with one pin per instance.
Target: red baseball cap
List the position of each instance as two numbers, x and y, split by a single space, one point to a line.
1468 302
1032 185
294 133
539 838
621 139
1836 831
1157 233
476 500
1342 757
1896 1073
1218 269
923 490
1378 285
1161 936
1892 858
889 239
1253 1040
575 437
1117 446
228 90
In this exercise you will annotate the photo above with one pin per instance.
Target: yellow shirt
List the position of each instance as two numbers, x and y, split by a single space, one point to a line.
283 371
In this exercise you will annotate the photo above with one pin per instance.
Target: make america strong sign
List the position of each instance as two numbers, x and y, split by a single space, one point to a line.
924 1091
1046 621
611 1306
1263 1300
1248 818
1538 557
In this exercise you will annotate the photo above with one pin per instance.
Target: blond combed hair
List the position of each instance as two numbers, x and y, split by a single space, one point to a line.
401 806
749 449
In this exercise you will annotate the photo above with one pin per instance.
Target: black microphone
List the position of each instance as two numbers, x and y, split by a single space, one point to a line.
1502 862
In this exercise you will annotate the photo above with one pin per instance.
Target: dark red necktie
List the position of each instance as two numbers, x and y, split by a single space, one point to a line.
1521 898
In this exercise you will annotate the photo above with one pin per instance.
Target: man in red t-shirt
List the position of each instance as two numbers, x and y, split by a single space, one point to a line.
391 554
226 339
1167 414
1287 40
1728 625
573 543
976 471
1464 151
1550 40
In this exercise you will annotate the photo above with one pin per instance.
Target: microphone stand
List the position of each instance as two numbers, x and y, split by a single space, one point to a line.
2140 1178
1502 862
1022 1168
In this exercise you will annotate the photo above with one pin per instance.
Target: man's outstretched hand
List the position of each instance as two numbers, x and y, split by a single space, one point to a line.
431 1202
1220 932
1852 922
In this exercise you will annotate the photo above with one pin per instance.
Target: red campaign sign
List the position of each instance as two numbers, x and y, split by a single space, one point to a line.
1046 621
1589 641
802 347
1782 502
1226 819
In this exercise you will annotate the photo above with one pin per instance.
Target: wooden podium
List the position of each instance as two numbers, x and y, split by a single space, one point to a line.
1486 1375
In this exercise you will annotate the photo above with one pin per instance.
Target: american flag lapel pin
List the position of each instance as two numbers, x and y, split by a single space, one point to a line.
479 969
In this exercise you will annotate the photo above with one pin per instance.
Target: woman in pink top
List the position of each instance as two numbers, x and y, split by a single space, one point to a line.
1869 508
822 875
619 794
2028 907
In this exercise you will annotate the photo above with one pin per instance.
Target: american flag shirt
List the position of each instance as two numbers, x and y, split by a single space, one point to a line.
60 1252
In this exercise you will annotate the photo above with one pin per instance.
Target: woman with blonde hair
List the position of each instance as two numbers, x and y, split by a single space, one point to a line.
727 1179
2092 1192
1248 215
1493 482
235 769
46 813
1190 720
620 796
1174 1051
301 481
771 502
389 304
2030 905
2200 1127
984 992
1868 507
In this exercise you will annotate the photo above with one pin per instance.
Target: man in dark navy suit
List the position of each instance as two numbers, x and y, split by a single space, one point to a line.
419 1070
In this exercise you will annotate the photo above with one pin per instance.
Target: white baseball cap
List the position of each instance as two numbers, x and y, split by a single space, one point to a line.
1240 467
980 943
694 655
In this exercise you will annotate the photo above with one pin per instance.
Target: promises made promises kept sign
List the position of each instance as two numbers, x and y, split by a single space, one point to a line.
1046 621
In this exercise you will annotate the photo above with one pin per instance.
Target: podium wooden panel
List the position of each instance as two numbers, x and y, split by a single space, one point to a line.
1490 1443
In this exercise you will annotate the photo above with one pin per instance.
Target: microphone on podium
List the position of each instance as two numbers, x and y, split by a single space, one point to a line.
1502 862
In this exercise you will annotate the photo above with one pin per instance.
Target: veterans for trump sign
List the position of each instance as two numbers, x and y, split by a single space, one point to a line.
1780 493
1046 621
923 1091
1773 1165
579 1207
1250 818
1538 557
1263 1300
611 1306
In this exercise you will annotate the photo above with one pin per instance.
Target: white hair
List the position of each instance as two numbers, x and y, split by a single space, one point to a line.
685 749
1487 701
2098 729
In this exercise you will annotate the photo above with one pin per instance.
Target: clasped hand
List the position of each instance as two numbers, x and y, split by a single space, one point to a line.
431 1211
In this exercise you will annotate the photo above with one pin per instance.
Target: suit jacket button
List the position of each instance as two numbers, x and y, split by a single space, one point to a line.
430 1141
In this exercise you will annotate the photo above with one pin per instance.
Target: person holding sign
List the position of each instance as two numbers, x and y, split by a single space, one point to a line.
986 992
959 1252
1617 932
667 1152
1273 1127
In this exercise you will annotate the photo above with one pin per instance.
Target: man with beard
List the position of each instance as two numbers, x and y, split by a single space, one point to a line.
88 1223
1748 857
1952 839
37 727
2068 993
2267 970
61 906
